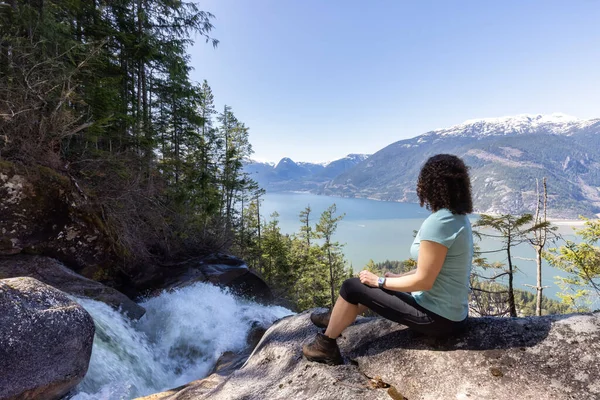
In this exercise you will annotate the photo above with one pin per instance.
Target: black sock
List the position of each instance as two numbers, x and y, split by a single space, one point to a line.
327 337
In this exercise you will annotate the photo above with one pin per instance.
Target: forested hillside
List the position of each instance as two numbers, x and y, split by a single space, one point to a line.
100 91
96 98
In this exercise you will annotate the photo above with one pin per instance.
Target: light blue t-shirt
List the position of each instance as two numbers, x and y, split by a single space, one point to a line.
449 296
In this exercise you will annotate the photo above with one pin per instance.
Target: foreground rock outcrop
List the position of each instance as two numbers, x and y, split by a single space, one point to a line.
45 341
551 357
54 273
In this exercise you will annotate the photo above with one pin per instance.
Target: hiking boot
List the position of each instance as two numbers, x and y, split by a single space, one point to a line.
324 350
320 319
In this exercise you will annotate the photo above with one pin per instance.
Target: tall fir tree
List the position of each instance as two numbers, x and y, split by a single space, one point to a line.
332 250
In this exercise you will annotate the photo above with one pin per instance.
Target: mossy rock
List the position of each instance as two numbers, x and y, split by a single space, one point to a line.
45 214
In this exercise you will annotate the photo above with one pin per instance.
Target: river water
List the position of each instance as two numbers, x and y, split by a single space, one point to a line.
178 340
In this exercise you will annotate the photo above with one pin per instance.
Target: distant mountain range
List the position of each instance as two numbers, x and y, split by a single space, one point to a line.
506 156
288 175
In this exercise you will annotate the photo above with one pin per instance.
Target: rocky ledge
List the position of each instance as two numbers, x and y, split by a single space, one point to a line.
54 273
551 357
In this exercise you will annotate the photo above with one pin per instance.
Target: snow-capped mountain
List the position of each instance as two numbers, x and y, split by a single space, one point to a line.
557 124
351 158
506 156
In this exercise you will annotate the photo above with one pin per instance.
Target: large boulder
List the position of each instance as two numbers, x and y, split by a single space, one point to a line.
45 341
43 212
550 357
54 273
239 279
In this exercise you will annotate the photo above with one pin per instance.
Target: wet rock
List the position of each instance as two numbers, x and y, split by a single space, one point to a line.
54 273
257 331
44 212
221 270
228 363
225 365
550 357
189 391
234 273
45 341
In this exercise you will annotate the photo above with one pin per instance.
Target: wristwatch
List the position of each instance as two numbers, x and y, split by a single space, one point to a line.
381 282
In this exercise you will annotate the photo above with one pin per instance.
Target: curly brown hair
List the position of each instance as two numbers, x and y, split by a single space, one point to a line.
444 183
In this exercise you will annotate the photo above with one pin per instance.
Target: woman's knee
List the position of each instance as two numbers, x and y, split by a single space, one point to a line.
350 289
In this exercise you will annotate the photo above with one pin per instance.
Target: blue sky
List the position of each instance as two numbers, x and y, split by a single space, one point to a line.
316 80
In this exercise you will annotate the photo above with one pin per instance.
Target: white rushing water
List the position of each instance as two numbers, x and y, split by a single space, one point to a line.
178 340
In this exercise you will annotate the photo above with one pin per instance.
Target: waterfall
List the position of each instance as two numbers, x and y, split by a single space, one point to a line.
178 340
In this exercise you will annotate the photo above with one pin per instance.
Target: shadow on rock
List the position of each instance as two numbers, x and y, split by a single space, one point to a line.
478 334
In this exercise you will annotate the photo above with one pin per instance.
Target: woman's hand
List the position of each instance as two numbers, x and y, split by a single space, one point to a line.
368 278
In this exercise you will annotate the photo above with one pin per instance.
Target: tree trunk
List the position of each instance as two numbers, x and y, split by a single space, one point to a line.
511 293
307 231
124 97
540 241
259 240
330 274
226 170
242 244
176 140
539 288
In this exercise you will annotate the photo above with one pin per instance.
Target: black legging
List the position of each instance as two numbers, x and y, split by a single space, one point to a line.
398 307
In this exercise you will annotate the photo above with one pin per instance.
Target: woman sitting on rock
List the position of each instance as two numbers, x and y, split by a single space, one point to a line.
433 298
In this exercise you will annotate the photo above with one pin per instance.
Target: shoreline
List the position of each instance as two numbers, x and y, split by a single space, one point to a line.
567 222
560 222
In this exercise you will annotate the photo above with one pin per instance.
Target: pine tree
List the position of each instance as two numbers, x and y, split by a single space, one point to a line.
372 267
306 232
334 258
311 281
236 147
511 231
488 298
210 147
538 236
582 262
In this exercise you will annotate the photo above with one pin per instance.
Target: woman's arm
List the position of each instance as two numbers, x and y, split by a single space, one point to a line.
429 264
391 275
